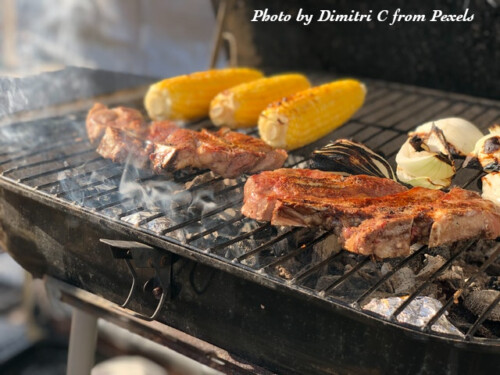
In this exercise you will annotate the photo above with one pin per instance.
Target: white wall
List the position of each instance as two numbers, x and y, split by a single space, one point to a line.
148 37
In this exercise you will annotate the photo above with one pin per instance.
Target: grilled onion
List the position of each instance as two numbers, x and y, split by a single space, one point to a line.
487 151
425 160
491 187
351 158
461 135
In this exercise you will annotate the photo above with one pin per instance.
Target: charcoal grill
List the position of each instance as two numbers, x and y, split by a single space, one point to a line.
244 286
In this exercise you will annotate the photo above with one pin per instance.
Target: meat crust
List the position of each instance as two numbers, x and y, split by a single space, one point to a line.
384 224
170 148
100 117
265 190
227 153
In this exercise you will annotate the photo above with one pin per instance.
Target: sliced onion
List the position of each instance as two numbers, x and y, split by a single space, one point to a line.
491 187
422 181
487 151
460 134
424 168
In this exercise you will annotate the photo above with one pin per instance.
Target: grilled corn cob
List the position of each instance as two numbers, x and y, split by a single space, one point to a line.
240 106
310 114
188 97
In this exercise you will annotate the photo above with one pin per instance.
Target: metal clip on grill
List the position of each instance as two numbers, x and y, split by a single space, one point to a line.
145 256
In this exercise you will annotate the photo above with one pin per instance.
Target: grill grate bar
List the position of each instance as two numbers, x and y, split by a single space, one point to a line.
88 185
344 277
469 282
130 212
42 150
150 218
241 237
387 114
116 188
202 216
489 117
215 228
102 193
57 170
265 245
396 107
205 184
482 318
389 274
472 179
225 190
373 108
308 271
76 176
378 93
46 161
112 204
296 252
372 101
431 278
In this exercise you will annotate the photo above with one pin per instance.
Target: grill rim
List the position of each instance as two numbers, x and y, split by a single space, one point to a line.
270 281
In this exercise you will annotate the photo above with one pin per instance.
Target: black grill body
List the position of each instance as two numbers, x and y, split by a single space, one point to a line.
53 216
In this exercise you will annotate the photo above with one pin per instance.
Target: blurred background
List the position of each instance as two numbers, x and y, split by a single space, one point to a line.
153 38
150 38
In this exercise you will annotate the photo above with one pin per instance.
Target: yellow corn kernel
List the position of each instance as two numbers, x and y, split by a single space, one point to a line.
310 114
188 97
240 106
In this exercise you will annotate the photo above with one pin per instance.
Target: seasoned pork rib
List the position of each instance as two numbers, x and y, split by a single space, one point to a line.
381 225
454 216
227 153
123 131
265 190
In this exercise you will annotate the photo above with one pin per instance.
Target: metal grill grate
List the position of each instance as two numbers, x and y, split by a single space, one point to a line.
54 157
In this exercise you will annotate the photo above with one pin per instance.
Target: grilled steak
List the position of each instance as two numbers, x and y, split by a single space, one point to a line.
100 117
123 131
454 216
265 190
225 152
381 225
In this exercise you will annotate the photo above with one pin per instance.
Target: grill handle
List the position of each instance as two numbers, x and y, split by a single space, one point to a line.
144 256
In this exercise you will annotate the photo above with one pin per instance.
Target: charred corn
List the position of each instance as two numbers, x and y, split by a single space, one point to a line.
240 106
310 114
188 97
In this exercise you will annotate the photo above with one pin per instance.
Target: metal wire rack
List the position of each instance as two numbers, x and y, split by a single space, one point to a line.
54 158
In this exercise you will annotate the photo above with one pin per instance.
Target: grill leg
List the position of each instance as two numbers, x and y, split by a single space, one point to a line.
82 342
